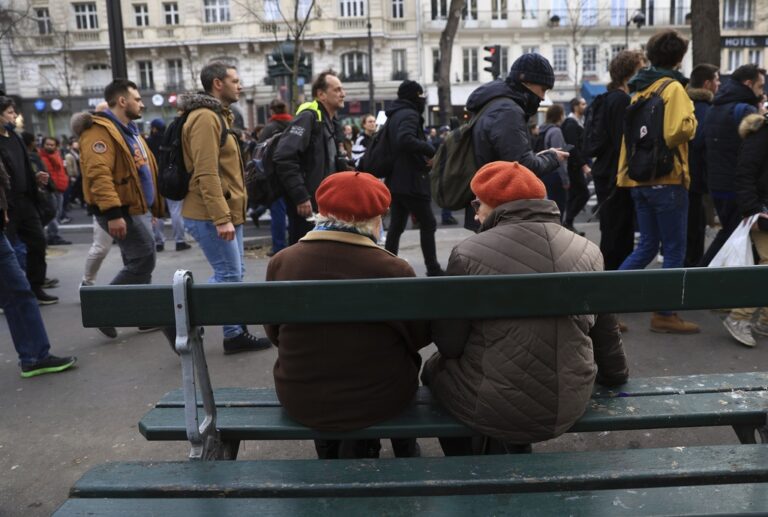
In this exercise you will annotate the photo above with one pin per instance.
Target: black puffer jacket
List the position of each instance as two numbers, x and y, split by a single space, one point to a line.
732 103
502 131
410 174
751 181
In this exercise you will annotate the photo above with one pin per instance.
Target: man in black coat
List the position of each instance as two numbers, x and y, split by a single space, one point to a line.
578 167
409 181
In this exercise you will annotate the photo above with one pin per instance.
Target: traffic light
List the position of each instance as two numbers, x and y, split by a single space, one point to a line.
494 59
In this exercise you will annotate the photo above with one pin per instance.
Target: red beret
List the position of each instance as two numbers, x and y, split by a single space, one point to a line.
497 183
352 196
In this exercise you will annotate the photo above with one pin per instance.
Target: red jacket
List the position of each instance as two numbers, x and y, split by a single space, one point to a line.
55 167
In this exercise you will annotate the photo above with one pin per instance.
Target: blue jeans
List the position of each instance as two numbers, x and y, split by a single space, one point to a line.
278 225
177 222
225 257
662 218
21 310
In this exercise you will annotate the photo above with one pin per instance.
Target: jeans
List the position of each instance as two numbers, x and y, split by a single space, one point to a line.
277 225
137 250
52 230
21 309
697 225
225 257
662 218
421 209
102 243
177 222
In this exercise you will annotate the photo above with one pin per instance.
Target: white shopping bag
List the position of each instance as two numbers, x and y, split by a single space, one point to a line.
737 250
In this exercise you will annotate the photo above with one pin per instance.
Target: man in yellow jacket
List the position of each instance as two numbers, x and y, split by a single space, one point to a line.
120 181
661 204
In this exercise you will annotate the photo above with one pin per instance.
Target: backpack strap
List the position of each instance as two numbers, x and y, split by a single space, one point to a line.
663 86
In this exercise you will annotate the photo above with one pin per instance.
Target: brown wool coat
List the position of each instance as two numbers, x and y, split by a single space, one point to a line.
529 379
343 376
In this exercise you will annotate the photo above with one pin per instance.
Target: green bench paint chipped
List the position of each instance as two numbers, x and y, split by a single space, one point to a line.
625 482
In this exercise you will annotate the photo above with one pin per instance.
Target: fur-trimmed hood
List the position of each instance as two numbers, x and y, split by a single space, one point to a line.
751 124
700 94
80 122
192 101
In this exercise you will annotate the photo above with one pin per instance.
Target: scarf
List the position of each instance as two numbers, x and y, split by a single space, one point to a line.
133 141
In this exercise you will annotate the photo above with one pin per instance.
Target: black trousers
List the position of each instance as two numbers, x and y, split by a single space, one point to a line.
697 224
578 195
355 449
25 225
617 229
484 445
730 217
298 226
421 208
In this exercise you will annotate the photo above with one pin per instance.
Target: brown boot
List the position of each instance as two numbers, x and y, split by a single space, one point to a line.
672 324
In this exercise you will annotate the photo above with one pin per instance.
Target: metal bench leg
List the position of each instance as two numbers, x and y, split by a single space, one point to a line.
751 434
203 437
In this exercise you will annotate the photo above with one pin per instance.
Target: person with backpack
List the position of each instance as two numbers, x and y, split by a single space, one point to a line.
214 207
308 151
653 163
550 135
579 170
120 181
603 137
705 81
277 123
409 181
738 96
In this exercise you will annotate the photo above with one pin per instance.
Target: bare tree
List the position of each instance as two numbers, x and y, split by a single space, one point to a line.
295 23
12 15
705 32
446 55
581 18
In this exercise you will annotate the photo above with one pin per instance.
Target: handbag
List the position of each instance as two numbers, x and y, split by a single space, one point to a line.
46 206
737 250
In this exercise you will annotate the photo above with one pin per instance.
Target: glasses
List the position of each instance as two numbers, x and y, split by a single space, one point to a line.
475 204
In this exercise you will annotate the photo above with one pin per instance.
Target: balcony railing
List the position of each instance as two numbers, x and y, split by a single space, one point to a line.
217 30
166 33
400 75
175 87
738 24
358 77
48 91
93 90
86 35
351 24
397 25
134 33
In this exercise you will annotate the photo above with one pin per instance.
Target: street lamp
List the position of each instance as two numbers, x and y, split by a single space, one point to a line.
371 107
638 18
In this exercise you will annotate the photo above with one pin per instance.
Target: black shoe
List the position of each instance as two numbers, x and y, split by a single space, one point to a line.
110 332
181 246
50 364
44 298
245 342
271 253
436 272
574 230
160 247
448 221
57 241
50 283
148 329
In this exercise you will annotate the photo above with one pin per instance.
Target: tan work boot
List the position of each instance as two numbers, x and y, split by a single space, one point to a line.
672 324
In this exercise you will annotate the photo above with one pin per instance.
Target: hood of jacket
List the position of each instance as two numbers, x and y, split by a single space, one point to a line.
80 122
752 124
734 91
647 76
700 94
533 210
192 101
485 93
401 104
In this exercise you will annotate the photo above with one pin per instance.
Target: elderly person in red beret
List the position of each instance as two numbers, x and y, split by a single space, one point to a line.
345 376
517 381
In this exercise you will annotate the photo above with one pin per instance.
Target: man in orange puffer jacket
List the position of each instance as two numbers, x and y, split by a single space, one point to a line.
60 180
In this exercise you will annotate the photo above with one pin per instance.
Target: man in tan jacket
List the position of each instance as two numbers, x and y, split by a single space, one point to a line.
120 181
214 208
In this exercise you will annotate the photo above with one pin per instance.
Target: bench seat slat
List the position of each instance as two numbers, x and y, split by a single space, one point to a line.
419 420
541 472
650 386
699 500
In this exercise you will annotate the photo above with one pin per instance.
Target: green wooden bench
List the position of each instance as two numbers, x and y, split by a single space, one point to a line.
729 477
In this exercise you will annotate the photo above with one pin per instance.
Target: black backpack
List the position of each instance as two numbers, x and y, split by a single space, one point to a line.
378 158
539 144
261 183
648 156
595 140
173 176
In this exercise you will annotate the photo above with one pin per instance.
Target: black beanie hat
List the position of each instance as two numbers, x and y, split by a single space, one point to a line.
410 90
532 68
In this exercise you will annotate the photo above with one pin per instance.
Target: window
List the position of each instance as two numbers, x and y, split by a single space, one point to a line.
589 59
304 6
470 64
504 61
678 9
470 10
756 57
619 13
560 9
530 9
271 10
615 49
499 9
44 25
354 66
146 77
141 15
216 11
531 50
397 9
439 9
738 14
97 76
399 66
174 77
734 59
560 59
85 16
49 80
588 13
435 64
171 10
352 8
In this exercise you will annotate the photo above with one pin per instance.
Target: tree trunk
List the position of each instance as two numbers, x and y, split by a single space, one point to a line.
705 32
446 53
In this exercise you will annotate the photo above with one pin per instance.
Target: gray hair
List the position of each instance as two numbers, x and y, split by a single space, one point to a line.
211 71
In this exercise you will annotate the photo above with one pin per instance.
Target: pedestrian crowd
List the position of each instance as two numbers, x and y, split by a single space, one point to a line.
656 145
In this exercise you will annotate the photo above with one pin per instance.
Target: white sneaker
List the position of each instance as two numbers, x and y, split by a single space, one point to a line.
741 330
760 328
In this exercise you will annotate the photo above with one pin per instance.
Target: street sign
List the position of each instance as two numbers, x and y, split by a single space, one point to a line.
157 99
300 81
744 41
39 104
56 104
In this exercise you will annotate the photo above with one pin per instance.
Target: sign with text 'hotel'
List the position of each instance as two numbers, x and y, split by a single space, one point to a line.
744 41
